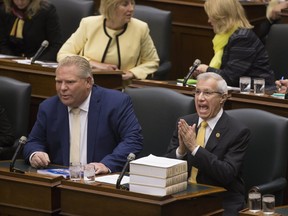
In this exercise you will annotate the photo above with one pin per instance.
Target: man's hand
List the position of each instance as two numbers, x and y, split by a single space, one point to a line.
100 168
187 134
40 160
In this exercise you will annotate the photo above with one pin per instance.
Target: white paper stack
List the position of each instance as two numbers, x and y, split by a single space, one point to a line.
158 176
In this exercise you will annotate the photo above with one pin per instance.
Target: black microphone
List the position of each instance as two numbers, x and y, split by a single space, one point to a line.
43 46
22 141
130 157
196 63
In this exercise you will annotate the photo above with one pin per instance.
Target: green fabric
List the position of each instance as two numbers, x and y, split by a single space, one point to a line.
189 81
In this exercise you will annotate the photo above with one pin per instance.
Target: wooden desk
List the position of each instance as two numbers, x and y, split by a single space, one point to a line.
80 199
279 211
28 194
235 99
32 194
42 80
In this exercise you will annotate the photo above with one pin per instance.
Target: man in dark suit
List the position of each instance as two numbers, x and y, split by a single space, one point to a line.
108 125
220 160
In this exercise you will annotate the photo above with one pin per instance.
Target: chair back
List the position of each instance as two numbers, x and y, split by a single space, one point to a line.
157 110
70 13
265 162
160 25
15 98
277 48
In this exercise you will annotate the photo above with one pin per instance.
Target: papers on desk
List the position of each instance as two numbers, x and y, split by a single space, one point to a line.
7 56
112 179
55 172
42 63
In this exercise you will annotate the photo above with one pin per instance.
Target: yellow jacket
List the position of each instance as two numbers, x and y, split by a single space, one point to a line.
94 41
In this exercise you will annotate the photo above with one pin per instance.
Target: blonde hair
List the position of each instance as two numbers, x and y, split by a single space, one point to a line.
226 14
33 7
107 7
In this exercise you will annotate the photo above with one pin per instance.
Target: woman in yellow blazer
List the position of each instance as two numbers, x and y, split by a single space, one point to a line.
114 41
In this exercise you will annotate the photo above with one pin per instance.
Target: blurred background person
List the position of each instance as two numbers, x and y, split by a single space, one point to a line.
273 14
25 24
237 50
114 41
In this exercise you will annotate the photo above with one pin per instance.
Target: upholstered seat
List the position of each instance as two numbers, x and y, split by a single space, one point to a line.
71 12
157 110
15 98
160 24
266 158
277 47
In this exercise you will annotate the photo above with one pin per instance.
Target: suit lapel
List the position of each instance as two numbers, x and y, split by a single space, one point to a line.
216 135
65 134
93 121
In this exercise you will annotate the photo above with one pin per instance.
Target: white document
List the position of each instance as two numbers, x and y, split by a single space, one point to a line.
112 179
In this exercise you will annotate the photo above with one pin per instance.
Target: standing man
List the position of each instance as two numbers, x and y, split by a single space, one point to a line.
109 129
217 156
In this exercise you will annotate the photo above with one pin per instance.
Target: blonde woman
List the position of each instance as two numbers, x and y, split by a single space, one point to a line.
25 24
237 50
114 40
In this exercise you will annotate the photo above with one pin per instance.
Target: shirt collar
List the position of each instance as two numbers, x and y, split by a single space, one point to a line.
85 105
213 121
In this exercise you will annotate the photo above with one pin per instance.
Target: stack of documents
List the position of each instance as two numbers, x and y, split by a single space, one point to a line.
158 176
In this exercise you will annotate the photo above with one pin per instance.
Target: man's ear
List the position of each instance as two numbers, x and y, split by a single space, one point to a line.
223 98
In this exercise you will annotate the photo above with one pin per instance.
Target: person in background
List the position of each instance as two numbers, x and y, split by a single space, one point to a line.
237 50
7 136
273 14
25 24
109 129
114 41
219 158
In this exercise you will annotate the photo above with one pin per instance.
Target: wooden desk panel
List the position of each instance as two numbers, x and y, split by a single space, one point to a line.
42 79
28 194
80 199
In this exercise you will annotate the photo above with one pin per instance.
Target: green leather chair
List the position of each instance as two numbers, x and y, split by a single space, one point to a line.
265 162
157 110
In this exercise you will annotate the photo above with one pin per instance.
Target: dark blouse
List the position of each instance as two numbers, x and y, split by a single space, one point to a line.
245 55
42 26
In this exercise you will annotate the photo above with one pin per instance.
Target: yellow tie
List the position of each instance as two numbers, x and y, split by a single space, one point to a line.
75 135
200 140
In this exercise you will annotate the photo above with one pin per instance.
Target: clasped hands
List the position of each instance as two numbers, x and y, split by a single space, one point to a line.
186 137
42 160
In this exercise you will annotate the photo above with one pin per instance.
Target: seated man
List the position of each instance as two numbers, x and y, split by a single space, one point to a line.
217 154
109 129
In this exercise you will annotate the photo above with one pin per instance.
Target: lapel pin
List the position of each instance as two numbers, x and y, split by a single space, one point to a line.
217 135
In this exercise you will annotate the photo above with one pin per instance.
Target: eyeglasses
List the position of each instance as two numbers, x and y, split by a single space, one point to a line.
206 94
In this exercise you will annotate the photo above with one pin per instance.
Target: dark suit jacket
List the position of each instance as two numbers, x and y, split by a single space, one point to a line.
43 26
220 162
245 55
113 130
